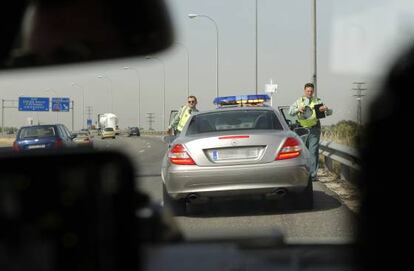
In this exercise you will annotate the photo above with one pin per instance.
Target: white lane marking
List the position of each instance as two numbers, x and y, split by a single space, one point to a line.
141 151
149 146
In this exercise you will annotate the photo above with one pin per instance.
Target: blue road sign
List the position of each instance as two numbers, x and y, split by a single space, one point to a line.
89 122
60 104
33 104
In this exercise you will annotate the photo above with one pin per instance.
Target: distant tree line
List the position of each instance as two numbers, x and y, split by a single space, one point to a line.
8 130
344 132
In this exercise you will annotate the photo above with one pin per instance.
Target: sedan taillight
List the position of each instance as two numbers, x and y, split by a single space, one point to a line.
291 149
16 147
58 143
178 155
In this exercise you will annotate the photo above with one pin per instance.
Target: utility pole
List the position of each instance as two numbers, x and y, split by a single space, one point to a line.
89 112
2 111
150 118
359 96
2 117
256 54
315 48
73 115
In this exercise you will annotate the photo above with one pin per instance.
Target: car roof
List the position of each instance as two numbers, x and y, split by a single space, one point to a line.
238 108
41 125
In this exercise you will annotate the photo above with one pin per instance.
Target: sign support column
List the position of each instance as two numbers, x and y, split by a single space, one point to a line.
73 119
2 117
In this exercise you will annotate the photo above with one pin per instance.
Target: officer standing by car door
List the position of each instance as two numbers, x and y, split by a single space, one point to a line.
183 115
309 109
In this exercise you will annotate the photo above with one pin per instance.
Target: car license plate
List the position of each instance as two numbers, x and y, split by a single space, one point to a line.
235 153
36 147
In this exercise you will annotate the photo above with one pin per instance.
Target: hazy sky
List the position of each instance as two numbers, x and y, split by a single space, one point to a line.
356 41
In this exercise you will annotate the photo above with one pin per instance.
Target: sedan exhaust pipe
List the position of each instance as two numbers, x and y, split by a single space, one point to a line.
192 197
195 198
277 193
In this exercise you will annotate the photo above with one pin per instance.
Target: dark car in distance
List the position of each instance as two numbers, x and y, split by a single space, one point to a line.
133 131
51 136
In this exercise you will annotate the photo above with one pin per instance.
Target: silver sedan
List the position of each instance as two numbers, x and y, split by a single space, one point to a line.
233 152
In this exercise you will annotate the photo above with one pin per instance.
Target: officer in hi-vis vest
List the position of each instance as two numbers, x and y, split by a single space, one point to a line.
182 116
309 109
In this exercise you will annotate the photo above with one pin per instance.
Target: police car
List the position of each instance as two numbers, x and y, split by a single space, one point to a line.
242 148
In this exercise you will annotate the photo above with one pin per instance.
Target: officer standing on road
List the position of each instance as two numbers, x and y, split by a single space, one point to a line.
183 115
305 108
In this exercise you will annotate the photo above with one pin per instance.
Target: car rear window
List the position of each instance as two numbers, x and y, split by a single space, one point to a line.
83 134
234 120
108 129
38 132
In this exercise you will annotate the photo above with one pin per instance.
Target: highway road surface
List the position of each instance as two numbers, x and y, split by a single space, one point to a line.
330 221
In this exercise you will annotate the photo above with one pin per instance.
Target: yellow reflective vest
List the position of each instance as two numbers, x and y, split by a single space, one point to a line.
312 120
184 116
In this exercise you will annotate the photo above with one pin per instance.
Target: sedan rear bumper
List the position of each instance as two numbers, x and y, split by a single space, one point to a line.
253 179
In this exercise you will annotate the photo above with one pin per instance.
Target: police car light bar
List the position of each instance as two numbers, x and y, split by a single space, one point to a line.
241 100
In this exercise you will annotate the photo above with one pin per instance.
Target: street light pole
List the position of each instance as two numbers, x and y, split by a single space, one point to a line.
57 112
2 117
163 106
110 89
314 35
256 35
73 116
83 103
139 93
192 16
188 67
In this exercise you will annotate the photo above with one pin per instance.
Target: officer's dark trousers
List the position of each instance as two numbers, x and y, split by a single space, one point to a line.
312 143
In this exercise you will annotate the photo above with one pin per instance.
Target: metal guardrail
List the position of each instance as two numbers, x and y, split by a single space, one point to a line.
146 132
347 157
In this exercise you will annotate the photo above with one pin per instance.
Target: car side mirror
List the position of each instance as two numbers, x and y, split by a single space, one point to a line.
169 139
293 126
302 132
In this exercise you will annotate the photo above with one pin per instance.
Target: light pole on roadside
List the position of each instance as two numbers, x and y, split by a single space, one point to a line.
188 66
57 112
256 54
83 102
139 92
192 16
163 95
314 45
110 90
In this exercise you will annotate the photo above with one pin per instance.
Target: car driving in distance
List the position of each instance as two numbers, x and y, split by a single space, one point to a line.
83 138
237 151
50 136
108 132
133 131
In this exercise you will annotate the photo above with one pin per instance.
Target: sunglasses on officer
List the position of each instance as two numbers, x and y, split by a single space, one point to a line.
191 101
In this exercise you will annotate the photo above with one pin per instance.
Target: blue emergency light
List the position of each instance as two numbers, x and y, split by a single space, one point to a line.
241 100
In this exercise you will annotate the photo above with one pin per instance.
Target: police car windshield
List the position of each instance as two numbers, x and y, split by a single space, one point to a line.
233 120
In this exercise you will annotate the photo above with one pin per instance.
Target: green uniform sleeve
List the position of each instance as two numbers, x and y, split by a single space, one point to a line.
176 119
294 108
